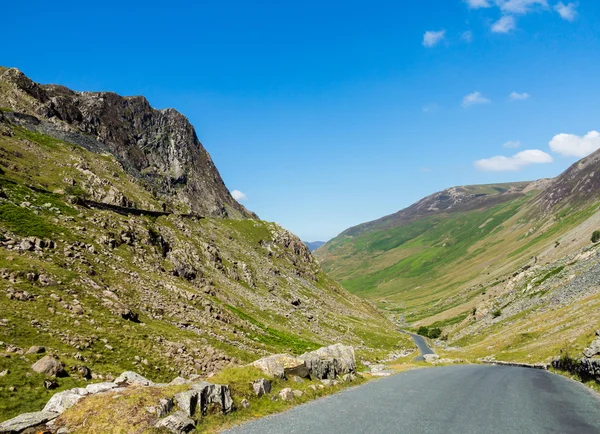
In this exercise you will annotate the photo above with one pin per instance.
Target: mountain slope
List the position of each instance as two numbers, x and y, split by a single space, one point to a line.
97 270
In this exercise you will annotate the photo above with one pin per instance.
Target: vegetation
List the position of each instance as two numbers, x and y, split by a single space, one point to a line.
432 333
595 236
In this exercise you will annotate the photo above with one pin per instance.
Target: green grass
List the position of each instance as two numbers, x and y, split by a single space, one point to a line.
25 222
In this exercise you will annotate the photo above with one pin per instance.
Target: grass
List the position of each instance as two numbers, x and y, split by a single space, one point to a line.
25 222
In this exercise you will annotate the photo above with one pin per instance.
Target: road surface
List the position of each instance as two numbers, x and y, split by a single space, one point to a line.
467 399
422 345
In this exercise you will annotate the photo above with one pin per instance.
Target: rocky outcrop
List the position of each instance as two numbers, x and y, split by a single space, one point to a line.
282 366
594 348
129 378
261 387
211 395
158 146
177 423
27 420
330 362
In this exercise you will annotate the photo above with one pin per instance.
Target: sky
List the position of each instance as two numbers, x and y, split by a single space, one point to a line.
321 115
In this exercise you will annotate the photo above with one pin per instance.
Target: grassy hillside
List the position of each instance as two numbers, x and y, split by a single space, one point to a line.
116 288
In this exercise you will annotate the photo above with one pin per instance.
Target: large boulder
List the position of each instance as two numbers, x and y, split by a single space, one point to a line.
589 369
130 378
282 366
27 420
187 401
50 366
261 387
210 395
329 362
594 348
62 401
177 423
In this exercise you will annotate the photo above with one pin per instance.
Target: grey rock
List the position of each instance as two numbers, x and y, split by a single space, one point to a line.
297 379
297 393
245 403
62 401
187 401
36 349
348 378
27 420
213 394
593 349
329 362
286 394
177 422
164 407
282 366
92 389
261 387
179 381
49 365
130 378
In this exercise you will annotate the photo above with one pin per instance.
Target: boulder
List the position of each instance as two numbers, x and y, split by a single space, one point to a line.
187 401
92 389
286 394
130 378
297 393
329 362
282 366
36 349
27 420
62 401
589 369
177 422
49 365
593 349
213 394
261 387
245 403
430 358
164 407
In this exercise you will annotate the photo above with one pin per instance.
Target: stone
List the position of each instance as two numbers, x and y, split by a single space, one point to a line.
4 373
213 394
297 379
179 381
593 349
261 387
85 372
330 362
431 358
187 401
286 394
245 403
282 366
177 422
50 366
27 420
164 407
297 393
327 383
50 384
348 378
62 401
36 349
313 387
130 378
92 389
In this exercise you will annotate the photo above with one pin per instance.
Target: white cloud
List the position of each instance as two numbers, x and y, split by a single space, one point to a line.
512 144
572 145
504 24
430 108
475 98
477 4
431 38
467 36
520 6
567 12
516 162
238 195
519 96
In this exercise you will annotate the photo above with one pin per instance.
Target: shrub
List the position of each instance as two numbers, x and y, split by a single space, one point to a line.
496 313
596 236
423 331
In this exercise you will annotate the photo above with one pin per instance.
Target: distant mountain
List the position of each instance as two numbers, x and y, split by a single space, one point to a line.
314 245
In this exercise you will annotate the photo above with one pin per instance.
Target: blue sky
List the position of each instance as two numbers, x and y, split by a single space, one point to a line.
327 114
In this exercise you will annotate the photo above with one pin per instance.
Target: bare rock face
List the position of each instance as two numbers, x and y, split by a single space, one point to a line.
594 348
129 378
159 146
50 366
177 422
261 387
282 366
330 362
26 420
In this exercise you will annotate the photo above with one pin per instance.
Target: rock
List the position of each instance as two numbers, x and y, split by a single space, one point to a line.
49 365
297 393
27 420
36 350
164 407
274 398
4 373
85 372
130 378
245 403
313 387
593 349
92 389
261 387
179 381
282 366
178 423
50 384
62 401
431 358
187 401
327 383
329 362
348 378
213 394
297 379
286 394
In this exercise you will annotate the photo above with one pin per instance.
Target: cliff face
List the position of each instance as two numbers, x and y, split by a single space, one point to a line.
159 147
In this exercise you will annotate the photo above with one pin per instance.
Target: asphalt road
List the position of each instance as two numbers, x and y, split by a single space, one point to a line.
422 345
466 399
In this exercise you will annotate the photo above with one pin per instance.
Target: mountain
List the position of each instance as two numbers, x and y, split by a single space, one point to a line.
121 249
493 266
314 245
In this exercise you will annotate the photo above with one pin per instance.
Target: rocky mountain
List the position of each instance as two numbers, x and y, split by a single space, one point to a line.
121 249
499 264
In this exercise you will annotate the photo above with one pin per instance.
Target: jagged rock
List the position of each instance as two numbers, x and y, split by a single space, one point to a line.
245 403
431 358
36 350
49 365
50 384
85 372
164 407
261 387
593 349
177 422
92 389
297 379
129 378
213 394
331 361
297 393
282 366
187 401
27 420
589 369
286 394
62 401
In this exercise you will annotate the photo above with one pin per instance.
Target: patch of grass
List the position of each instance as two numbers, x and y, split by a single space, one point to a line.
25 222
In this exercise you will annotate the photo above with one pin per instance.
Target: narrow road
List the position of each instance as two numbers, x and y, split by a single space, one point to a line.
422 345
467 399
